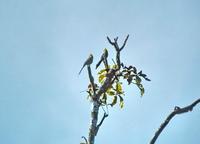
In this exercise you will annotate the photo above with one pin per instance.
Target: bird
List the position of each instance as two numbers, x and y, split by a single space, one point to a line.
103 58
87 62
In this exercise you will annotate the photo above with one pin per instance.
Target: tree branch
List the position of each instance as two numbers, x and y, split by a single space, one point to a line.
86 142
98 126
177 110
93 123
91 81
124 42
94 111
118 50
107 83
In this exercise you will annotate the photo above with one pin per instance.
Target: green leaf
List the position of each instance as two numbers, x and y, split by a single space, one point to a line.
111 93
130 67
121 103
124 70
104 98
140 73
126 75
143 75
138 79
140 86
130 79
114 66
134 70
142 91
114 101
147 79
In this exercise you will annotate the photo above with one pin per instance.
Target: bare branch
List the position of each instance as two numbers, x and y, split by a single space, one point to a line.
118 50
124 42
177 110
98 126
85 139
116 39
112 43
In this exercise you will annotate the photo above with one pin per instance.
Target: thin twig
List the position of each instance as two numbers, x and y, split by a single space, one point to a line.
116 39
113 62
92 81
85 139
103 109
98 126
112 43
177 110
124 42
118 50
115 43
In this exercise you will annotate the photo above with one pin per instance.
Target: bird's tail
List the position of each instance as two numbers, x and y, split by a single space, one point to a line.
97 65
81 70
106 63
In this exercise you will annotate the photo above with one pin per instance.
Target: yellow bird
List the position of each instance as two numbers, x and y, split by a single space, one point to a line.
87 62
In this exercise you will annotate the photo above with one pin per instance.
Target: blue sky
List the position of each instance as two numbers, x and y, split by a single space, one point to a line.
44 43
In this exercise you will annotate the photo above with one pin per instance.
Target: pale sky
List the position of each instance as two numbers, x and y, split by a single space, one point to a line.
43 45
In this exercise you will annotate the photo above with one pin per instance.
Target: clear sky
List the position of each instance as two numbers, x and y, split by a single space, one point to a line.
43 45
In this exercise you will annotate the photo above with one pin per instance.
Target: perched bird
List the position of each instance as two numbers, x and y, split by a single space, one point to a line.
87 62
104 57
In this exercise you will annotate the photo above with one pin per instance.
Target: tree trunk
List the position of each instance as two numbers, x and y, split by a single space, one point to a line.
93 122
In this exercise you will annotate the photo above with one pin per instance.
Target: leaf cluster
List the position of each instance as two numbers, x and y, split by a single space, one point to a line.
132 76
115 92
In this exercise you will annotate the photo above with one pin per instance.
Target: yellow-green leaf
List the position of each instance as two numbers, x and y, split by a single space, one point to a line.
101 77
119 88
138 79
111 93
114 101
126 75
140 86
104 98
102 71
142 91
114 66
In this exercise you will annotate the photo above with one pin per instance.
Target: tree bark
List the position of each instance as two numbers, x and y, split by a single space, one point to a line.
93 122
